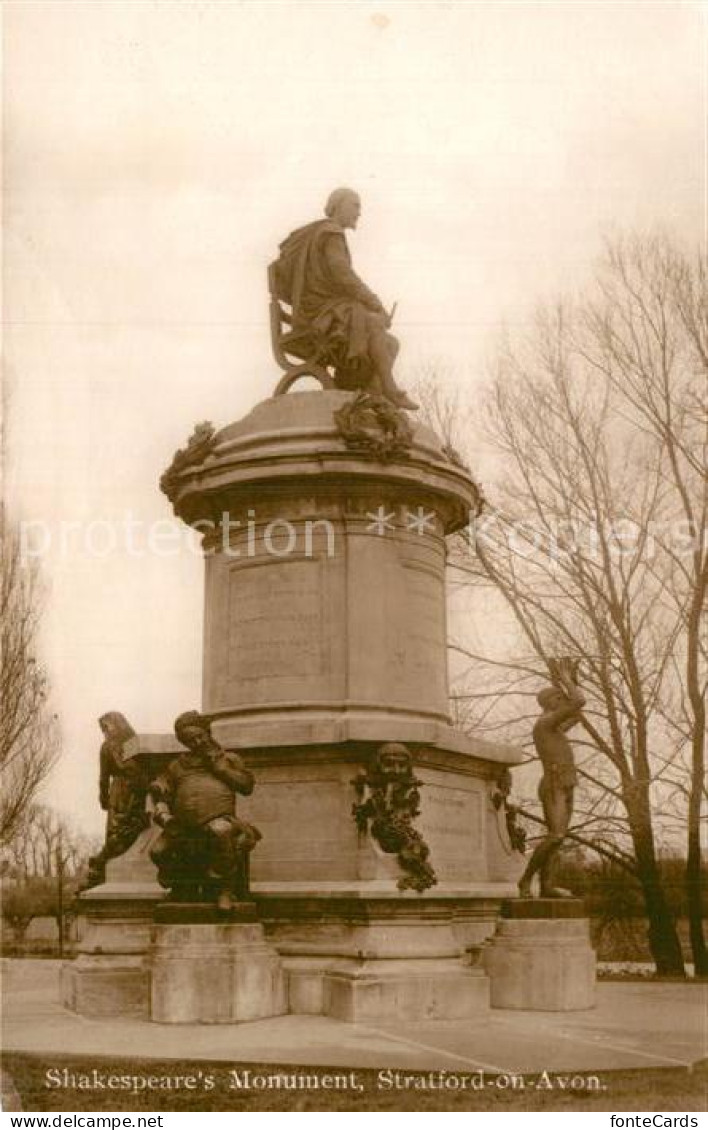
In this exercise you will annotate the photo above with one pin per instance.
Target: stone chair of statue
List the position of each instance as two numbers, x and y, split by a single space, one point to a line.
302 351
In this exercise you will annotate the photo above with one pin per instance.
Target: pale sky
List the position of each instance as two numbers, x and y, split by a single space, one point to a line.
155 154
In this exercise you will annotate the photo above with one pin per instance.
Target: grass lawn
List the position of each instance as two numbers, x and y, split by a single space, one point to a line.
198 1086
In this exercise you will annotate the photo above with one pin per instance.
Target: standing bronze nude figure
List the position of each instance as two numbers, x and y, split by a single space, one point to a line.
562 704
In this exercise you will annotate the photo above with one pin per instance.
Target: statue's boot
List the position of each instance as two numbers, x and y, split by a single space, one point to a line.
404 401
396 395
556 893
224 901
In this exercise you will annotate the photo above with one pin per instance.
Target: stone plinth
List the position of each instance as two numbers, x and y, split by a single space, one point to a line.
106 985
323 624
369 992
325 636
303 806
214 974
110 975
351 949
542 961
526 908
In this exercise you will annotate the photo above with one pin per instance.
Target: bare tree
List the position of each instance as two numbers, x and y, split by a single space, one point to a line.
43 865
42 839
29 737
598 547
442 405
651 323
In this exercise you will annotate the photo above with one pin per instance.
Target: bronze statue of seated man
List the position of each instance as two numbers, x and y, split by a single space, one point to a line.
331 305
203 849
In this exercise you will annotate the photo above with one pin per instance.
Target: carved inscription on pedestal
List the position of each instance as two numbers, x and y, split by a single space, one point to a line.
276 620
318 842
416 630
426 604
451 819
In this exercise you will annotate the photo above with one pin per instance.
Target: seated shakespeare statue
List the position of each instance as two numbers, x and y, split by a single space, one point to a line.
329 301
203 849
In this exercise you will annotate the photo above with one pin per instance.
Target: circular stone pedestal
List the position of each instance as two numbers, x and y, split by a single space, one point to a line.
542 963
325 636
325 577
214 974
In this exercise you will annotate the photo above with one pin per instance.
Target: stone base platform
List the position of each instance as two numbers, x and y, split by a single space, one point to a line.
111 975
104 985
214 974
368 952
635 1026
371 992
361 952
203 913
540 957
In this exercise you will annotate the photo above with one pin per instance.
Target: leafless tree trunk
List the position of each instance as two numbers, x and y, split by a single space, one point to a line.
29 738
652 322
37 839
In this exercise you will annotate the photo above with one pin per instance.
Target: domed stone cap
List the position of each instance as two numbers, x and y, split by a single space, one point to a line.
286 442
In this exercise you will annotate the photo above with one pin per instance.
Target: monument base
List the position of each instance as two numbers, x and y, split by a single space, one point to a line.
365 955
111 976
369 992
106 985
214 974
540 957
203 913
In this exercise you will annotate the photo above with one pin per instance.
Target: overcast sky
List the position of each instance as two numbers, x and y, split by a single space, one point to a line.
157 152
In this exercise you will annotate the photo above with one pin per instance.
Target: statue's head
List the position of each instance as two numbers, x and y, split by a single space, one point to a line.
550 698
344 207
193 729
116 726
394 760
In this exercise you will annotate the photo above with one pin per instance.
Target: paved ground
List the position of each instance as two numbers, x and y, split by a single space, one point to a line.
634 1025
9 1098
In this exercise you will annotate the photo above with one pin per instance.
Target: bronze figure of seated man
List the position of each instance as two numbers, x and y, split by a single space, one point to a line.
336 320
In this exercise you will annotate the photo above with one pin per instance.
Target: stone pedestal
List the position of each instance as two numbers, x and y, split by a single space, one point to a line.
372 992
214 974
106 985
325 636
110 975
363 954
540 957
325 606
